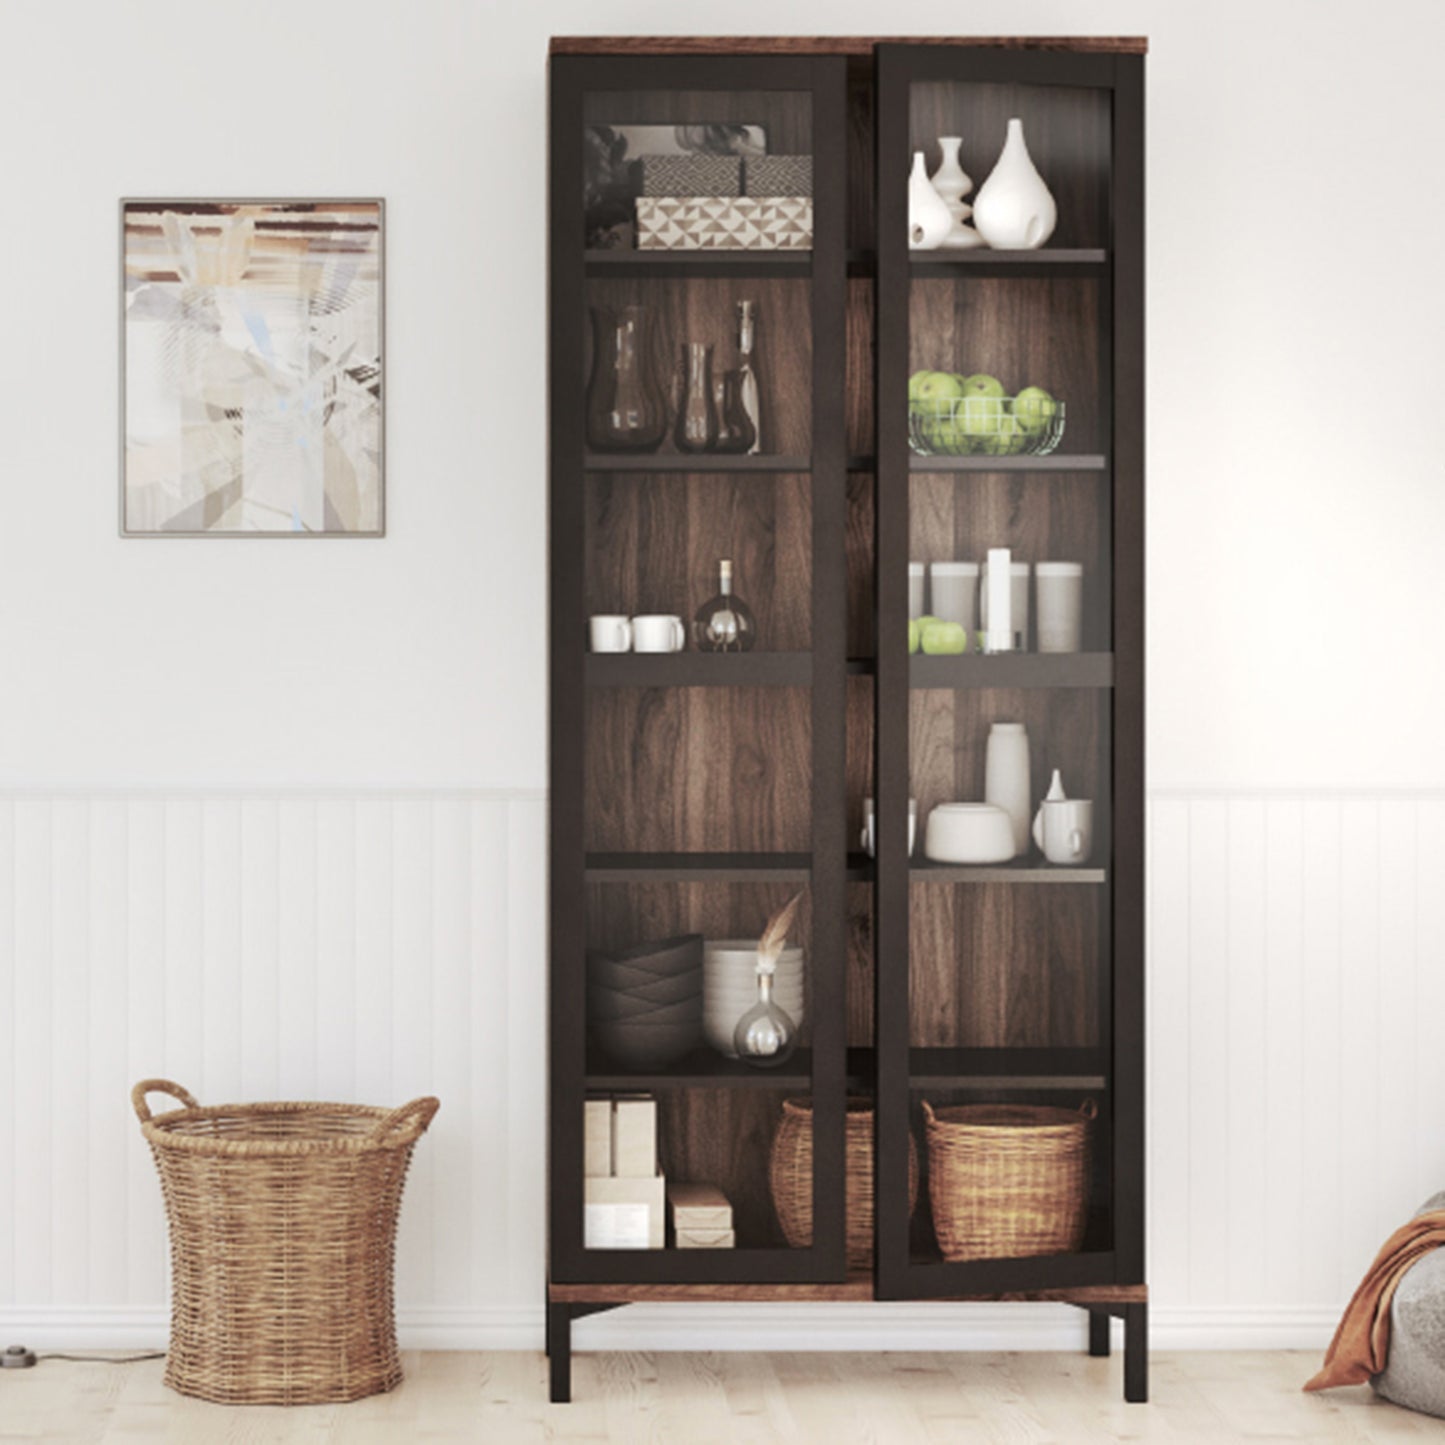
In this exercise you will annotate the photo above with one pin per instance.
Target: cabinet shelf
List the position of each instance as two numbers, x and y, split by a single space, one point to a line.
1024 871
700 462
698 263
713 867
1013 669
699 669
1054 462
1059 1068
984 262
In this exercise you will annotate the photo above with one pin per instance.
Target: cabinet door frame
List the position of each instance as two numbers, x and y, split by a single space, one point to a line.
572 77
897 1275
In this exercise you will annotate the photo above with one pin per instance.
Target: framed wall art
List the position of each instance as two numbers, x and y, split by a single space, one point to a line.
251 366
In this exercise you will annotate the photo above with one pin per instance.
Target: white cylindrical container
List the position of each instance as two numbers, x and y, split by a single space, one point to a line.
1006 778
1060 610
916 571
1018 622
955 595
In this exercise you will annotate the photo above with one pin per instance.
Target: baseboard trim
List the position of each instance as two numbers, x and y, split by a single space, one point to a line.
867 1327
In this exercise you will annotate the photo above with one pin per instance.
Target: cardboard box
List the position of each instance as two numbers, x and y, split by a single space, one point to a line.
774 176
624 1213
692 175
705 1239
597 1138
698 1207
634 1137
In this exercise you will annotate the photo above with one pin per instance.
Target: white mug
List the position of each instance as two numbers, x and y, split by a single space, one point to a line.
1060 599
610 632
870 839
1064 830
658 632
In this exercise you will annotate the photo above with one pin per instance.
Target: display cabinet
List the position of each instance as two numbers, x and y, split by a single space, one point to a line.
739 324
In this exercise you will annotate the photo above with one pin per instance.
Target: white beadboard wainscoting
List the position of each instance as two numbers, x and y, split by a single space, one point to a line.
375 947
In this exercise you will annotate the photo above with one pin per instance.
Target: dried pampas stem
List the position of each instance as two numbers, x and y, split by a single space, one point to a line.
775 934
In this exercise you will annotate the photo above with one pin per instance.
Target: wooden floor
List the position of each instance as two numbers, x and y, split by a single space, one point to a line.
697 1399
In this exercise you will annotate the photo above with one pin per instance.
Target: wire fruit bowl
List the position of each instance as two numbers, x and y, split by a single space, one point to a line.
983 426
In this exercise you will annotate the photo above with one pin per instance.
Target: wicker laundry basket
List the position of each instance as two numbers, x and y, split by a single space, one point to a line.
1008 1180
282 1221
790 1174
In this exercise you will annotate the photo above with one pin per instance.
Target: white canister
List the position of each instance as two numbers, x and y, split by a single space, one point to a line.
1018 605
1006 778
1059 614
955 595
916 572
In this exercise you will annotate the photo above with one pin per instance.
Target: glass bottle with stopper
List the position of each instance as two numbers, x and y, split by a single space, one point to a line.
766 1035
724 623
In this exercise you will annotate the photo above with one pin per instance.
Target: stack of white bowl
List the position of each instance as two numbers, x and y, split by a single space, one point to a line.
730 987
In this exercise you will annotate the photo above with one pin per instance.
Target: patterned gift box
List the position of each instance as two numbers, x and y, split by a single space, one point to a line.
724 223
778 176
691 175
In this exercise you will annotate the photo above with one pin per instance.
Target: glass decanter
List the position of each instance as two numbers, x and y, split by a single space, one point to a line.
735 431
696 417
724 623
765 1036
626 407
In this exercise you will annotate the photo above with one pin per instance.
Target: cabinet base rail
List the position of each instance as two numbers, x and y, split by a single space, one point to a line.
1129 1303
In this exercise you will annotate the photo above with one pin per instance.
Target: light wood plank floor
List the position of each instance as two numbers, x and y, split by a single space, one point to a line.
734 1399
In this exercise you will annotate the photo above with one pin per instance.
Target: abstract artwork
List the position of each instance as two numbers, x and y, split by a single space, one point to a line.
252 398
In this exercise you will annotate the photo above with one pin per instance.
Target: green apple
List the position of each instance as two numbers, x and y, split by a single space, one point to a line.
944 639
937 386
913 635
927 620
914 382
1035 409
983 405
1006 439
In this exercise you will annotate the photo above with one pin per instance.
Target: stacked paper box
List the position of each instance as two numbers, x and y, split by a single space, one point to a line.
702 1218
624 1194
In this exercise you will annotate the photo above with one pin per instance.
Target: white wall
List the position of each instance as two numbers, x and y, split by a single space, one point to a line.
1294 328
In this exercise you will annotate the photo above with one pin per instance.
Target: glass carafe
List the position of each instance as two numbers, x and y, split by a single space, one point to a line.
626 408
697 417
735 432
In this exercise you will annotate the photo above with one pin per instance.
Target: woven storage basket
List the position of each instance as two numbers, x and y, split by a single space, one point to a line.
1008 1180
790 1174
282 1221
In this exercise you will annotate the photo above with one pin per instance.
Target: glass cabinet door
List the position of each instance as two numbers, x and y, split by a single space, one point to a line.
698 677
1009 557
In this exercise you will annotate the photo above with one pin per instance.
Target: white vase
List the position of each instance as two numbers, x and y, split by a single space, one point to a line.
1006 778
951 182
1013 209
929 219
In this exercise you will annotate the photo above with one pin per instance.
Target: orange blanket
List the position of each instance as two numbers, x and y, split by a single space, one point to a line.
1362 1342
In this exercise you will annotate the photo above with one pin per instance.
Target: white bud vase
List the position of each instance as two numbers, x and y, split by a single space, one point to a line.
1014 210
1006 778
951 182
929 219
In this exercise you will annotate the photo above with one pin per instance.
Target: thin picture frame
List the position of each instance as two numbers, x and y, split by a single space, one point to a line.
127 202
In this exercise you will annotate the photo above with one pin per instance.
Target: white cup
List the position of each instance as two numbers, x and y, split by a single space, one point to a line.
915 589
870 838
955 594
1018 602
610 632
1060 612
1064 830
658 632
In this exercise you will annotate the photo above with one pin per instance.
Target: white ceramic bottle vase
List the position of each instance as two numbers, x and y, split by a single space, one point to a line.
951 182
1006 778
1014 210
929 219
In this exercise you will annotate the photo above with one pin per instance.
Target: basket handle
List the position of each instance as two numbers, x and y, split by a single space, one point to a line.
1089 1108
928 1114
423 1109
158 1086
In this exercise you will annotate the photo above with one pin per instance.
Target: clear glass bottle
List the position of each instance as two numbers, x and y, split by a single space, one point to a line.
724 623
697 417
626 409
748 376
765 1036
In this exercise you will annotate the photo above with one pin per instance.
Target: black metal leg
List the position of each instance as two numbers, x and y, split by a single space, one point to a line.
1136 1354
559 1352
1099 1334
